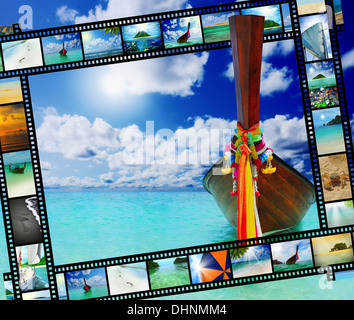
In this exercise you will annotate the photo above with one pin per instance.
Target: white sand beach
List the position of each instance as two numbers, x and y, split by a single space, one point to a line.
261 267
127 279
22 54
311 8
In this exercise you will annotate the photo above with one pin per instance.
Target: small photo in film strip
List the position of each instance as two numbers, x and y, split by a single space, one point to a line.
182 151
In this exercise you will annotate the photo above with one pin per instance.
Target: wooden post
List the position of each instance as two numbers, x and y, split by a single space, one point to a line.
246 33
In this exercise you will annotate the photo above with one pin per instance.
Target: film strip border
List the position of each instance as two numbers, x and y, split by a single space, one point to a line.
319 98
13 199
53 292
202 268
42 61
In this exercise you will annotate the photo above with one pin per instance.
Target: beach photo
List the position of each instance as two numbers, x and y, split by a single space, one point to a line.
216 26
13 128
310 6
9 290
87 284
61 286
182 32
10 90
22 54
291 255
128 278
25 219
102 43
37 295
285 9
142 37
320 75
328 131
316 41
338 12
273 21
32 267
340 213
332 249
210 266
250 261
62 48
167 273
19 174
335 177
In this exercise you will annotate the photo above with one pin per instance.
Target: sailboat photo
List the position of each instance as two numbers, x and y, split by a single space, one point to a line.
27 272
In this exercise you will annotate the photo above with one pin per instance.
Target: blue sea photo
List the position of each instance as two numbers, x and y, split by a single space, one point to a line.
142 37
216 26
250 261
63 48
87 284
182 32
328 130
273 20
102 43
321 75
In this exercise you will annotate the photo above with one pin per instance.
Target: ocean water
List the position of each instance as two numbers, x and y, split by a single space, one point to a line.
56 58
322 83
80 294
92 225
20 184
169 276
215 34
175 44
143 44
98 225
102 54
330 139
14 141
292 267
273 30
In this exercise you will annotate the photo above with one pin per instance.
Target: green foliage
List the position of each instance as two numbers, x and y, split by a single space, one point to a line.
113 30
238 253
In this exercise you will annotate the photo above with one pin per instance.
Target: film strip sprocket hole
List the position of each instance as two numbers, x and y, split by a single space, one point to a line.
134 276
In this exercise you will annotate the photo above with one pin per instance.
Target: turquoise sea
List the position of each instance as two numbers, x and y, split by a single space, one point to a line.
94 225
171 275
322 83
103 54
292 267
330 139
96 292
217 33
56 58
175 44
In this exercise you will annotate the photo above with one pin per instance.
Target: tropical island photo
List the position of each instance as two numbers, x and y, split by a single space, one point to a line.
169 272
216 26
333 249
142 37
273 20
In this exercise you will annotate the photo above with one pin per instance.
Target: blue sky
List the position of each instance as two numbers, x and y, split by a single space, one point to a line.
98 41
269 12
321 117
83 116
261 252
94 277
54 44
282 251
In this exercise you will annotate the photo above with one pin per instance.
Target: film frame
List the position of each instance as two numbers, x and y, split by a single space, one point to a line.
324 231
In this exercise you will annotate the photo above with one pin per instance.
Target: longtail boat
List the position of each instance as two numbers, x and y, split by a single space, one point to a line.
63 51
17 168
285 195
185 36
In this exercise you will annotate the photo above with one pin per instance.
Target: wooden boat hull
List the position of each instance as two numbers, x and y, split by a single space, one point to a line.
286 196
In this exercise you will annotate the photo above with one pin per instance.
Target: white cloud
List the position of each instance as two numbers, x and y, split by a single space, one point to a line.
348 59
163 159
177 75
120 9
273 79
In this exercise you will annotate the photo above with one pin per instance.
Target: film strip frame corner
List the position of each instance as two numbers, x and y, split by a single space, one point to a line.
57 288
